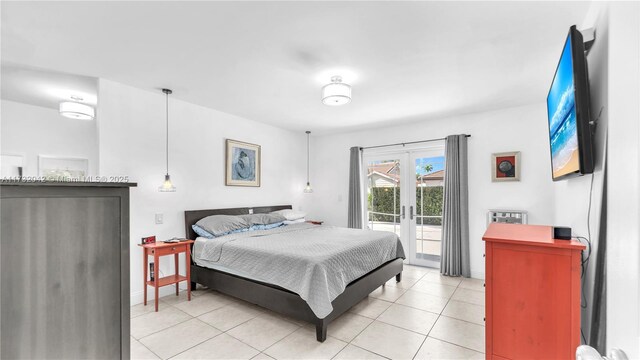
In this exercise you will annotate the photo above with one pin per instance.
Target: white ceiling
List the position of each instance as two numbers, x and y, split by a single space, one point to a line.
407 61
46 88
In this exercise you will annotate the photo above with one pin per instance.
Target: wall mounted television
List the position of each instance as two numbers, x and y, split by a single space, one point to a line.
570 135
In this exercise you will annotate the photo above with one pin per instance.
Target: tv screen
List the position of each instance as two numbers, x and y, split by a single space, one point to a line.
568 112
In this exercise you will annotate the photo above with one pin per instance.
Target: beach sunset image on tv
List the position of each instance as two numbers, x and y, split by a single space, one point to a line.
561 105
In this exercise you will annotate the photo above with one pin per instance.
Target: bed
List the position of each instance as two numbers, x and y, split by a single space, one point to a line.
277 298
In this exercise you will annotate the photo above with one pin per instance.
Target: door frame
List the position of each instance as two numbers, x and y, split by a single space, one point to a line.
406 155
402 157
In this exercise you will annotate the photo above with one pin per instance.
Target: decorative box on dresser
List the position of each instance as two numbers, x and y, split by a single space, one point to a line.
65 270
532 293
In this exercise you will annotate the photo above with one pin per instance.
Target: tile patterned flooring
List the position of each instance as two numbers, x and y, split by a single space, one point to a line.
426 316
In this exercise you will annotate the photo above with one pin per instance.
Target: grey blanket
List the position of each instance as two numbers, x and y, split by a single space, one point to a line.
315 262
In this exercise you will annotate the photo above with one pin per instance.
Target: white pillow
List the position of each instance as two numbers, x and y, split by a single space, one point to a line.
291 222
291 214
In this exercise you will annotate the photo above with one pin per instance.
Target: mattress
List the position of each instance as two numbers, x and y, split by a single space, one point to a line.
315 262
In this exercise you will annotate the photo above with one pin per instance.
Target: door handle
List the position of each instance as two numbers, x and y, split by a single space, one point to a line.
402 212
411 212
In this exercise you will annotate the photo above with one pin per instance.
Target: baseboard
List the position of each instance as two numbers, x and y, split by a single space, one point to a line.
137 297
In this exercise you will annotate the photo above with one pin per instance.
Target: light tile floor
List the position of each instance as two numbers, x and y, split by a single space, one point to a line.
426 316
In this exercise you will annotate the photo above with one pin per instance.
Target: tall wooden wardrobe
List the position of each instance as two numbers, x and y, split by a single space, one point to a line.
65 270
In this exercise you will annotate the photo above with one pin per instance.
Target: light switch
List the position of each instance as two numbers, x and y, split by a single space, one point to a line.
159 218
339 198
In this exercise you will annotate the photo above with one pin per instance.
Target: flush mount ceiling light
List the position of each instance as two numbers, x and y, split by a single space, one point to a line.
76 110
167 185
337 93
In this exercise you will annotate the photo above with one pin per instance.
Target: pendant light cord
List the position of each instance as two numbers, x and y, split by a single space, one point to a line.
308 132
167 138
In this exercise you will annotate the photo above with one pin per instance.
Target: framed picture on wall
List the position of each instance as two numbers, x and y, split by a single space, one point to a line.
11 166
505 166
61 168
242 165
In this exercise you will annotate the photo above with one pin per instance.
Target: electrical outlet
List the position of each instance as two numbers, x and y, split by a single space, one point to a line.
159 218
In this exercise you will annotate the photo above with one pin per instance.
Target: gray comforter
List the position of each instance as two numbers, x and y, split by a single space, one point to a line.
315 262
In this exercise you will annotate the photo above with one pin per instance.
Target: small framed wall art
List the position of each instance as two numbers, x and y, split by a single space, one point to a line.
242 165
57 168
505 166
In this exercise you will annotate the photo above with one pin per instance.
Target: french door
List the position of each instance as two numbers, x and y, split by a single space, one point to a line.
404 192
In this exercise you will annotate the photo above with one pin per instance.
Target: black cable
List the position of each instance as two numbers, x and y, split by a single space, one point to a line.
582 277
584 264
594 123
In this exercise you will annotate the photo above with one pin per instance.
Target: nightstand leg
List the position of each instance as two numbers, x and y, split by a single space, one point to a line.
177 273
155 276
145 262
187 261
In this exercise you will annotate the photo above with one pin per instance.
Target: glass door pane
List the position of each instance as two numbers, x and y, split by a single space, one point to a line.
426 225
429 194
384 194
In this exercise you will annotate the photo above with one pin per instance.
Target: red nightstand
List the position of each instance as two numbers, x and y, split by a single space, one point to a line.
159 249
315 222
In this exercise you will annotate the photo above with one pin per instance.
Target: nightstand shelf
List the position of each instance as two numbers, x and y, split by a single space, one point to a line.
168 280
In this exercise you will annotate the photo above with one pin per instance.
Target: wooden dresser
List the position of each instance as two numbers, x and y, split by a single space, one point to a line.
65 270
532 293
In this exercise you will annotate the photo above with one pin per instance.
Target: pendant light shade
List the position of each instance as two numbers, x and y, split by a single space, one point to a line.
76 110
337 93
167 185
308 189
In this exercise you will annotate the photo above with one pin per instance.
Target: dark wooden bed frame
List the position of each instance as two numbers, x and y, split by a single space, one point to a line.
274 297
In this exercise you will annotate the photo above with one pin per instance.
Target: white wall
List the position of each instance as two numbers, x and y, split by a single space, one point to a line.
571 196
515 129
132 142
614 75
623 222
30 131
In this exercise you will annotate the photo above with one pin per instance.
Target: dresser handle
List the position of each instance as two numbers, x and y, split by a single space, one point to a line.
173 248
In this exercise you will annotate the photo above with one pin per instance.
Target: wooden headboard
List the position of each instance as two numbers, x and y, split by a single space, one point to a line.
192 216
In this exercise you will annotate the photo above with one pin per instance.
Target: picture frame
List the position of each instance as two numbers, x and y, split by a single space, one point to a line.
148 240
12 166
242 164
56 168
505 166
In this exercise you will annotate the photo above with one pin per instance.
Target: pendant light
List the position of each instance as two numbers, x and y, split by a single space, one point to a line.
336 93
167 186
308 189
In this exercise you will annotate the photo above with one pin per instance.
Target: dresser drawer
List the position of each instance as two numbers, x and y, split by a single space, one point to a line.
168 250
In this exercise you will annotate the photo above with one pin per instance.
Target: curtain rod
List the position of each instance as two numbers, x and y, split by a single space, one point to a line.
405 143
